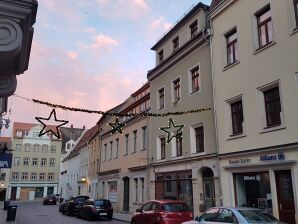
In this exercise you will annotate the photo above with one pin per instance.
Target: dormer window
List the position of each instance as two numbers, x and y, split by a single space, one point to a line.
193 29
176 44
160 56
68 146
19 133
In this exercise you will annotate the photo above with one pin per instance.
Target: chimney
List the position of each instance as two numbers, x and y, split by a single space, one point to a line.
71 126
84 127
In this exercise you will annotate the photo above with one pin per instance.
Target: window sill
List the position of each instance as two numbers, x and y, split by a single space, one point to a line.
264 47
236 136
274 128
294 31
231 65
160 160
176 101
198 154
194 92
177 157
144 149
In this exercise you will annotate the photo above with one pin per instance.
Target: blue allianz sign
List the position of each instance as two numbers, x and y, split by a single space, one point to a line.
279 157
5 160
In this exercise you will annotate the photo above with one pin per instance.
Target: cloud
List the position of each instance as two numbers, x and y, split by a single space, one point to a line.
72 55
160 24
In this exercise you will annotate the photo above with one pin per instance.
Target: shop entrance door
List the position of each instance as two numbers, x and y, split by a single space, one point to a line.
285 196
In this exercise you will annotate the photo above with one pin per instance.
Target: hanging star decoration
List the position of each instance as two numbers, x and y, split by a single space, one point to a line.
172 128
116 126
46 127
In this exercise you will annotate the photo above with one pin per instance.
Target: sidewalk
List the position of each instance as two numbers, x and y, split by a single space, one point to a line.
124 217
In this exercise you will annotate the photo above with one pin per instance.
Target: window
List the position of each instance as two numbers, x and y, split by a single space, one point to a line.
19 133
53 149
117 148
265 26
25 176
199 132
68 145
15 176
136 189
126 144
296 11
18 147
144 134
160 56
33 176
237 117
105 152
50 176
193 29
43 162
162 148
26 161
36 148
34 161
16 161
27 148
178 147
272 107
44 148
42 176
142 189
134 141
161 98
175 44
195 79
111 150
52 162
35 134
176 89
3 176
232 47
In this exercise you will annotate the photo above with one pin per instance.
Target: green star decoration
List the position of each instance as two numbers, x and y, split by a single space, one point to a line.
173 128
116 126
47 129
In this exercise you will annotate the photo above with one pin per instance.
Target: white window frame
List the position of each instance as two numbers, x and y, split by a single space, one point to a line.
42 175
33 175
24 174
53 147
27 147
192 135
27 161
174 101
52 162
262 110
18 147
190 91
15 176
291 17
33 159
36 148
44 148
158 99
228 118
52 175
41 162
14 161
19 133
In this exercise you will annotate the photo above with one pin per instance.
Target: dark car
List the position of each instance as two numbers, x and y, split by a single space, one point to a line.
72 205
162 212
96 208
49 200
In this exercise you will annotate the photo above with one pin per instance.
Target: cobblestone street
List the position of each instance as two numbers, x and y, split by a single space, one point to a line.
36 213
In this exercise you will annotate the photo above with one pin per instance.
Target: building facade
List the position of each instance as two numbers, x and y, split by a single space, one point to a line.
254 47
184 169
36 163
5 143
124 157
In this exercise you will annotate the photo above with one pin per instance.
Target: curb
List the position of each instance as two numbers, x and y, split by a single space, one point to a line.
121 220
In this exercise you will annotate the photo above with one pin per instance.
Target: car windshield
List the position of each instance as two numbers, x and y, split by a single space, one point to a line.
80 200
256 216
175 207
98 203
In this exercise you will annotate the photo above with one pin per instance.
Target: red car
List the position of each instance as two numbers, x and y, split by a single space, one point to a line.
49 200
162 212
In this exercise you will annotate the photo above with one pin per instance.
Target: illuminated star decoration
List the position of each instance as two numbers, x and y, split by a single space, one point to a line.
45 130
116 126
176 129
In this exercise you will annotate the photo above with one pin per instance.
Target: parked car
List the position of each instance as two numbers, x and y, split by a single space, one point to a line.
95 208
72 205
234 215
162 212
49 200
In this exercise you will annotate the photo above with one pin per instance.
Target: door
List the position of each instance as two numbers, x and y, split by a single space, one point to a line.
13 195
126 194
2 194
208 187
285 196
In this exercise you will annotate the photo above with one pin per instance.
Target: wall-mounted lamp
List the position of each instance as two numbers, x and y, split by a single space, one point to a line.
84 179
2 185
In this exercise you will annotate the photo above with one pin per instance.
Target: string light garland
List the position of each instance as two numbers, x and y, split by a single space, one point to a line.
141 114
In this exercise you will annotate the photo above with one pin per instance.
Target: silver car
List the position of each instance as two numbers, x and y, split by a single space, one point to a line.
233 215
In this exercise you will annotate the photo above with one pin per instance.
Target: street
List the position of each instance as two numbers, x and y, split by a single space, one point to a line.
36 213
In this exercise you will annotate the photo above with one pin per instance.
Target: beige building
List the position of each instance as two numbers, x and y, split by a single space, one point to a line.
255 69
36 163
181 81
123 167
5 143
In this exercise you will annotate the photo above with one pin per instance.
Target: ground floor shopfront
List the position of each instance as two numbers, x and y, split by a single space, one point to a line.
127 190
30 192
265 179
195 181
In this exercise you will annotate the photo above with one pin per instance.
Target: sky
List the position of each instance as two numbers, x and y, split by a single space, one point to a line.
90 54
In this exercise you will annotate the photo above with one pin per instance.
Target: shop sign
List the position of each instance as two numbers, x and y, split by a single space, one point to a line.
239 160
279 156
256 177
5 160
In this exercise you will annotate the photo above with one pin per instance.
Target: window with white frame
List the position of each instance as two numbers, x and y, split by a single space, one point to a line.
18 147
44 148
19 133
176 90
36 148
25 176
145 137
42 176
34 161
3 176
197 142
43 162
33 176
126 144
195 80
26 161
134 141
264 26
27 147
51 176
16 161
232 46
52 162
15 176
111 150
270 106
117 148
161 98
53 149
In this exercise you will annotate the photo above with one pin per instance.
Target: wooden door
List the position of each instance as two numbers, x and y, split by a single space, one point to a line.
285 196
13 195
209 197
126 194
24 194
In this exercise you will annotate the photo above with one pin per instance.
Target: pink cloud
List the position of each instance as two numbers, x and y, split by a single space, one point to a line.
72 55
160 24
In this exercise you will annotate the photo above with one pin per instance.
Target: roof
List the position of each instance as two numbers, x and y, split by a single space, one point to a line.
82 143
180 23
68 134
25 127
215 3
5 141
